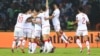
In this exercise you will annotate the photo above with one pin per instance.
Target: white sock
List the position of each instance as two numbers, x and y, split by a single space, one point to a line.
33 47
19 43
46 47
23 42
29 45
79 43
65 35
50 44
88 45
64 39
13 44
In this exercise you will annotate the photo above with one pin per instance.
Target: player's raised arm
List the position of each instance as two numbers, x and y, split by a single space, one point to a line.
76 21
47 5
29 19
87 20
50 17
36 21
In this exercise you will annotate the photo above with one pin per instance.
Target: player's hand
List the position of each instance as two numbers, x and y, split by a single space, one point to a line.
72 23
34 16
46 18
33 20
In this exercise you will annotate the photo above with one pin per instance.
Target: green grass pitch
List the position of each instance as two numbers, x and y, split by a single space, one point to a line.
58 52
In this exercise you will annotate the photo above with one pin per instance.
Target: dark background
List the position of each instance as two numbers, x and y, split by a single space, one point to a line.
9 10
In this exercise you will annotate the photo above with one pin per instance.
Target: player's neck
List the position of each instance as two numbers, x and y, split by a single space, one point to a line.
56 8
80 12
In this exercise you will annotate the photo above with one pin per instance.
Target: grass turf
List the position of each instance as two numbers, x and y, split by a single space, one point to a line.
58 52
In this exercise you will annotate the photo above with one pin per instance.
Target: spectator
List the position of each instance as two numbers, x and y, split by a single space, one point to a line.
84 2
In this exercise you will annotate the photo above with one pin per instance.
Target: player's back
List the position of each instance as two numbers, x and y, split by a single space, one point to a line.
82 21
46 15
21 19
28 25
56 14
39 18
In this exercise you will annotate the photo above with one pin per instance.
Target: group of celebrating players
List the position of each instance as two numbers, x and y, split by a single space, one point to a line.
34 23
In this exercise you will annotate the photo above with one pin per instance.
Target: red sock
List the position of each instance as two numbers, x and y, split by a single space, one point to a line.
66 44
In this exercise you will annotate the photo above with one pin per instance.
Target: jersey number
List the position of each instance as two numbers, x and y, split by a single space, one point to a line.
83 20
20 19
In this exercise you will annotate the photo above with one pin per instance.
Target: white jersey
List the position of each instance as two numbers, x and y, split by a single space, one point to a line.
28 25
82 21
39 18
45 23
21 20
56 15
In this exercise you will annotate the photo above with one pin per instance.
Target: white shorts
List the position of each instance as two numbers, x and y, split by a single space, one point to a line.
18 32
36 33
33 35
81 32
46 30
27 33
57 27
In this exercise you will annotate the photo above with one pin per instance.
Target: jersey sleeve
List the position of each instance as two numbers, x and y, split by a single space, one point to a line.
77 17
54 13
47 13
87 19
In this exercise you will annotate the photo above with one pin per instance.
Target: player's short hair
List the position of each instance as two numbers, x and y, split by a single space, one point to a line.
56 4
37 9
81 9
43 8
25 9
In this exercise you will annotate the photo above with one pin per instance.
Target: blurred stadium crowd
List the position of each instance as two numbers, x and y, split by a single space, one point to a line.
9 10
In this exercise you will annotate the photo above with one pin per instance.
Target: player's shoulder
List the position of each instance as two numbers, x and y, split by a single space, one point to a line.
85 14
40 14
56 10
20 14
47 10
77 15
29 15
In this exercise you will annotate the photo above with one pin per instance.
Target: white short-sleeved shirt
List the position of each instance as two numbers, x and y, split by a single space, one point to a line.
28 25
45 22
82 21
40 16
18 31
56 15
21 20
38 27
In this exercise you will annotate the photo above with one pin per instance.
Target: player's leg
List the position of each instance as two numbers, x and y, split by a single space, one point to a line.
47 43
35 39
61 34
33 45
78 41
85 34
14 44
14 41
41 44
64 38
27 34
29 45
25 37
30 40
21 38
